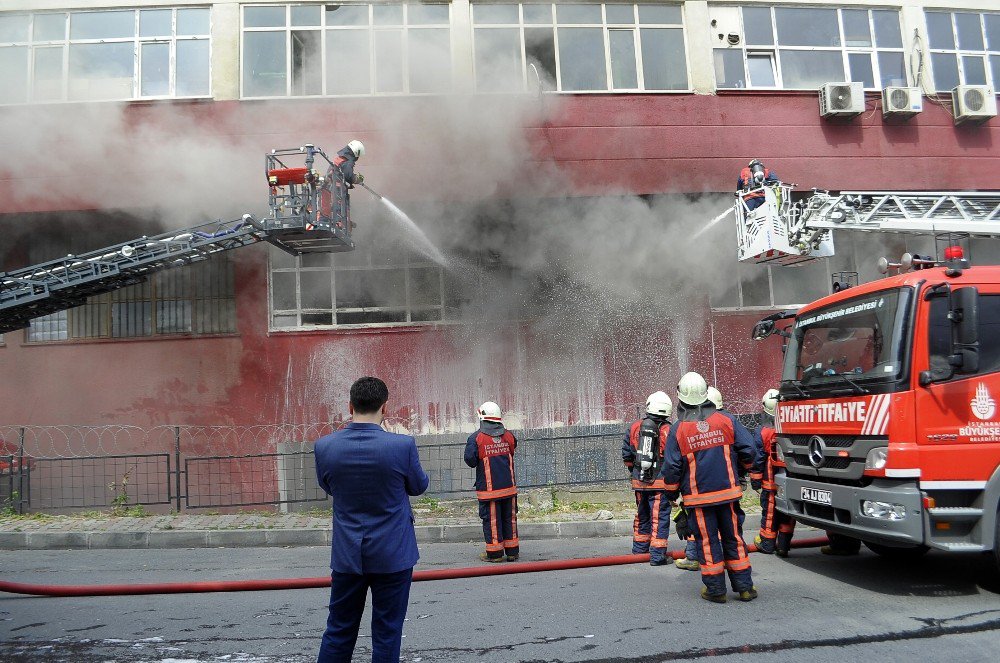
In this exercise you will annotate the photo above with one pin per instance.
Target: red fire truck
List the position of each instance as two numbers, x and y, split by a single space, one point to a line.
888 421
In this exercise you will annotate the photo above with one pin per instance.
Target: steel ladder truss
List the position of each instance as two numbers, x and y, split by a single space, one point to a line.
972 213
67 282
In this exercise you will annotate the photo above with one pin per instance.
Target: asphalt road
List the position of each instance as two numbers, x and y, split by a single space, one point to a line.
943 607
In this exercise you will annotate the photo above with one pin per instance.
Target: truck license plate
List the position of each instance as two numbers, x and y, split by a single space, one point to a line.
817 496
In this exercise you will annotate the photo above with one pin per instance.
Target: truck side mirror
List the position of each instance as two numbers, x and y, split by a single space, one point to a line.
964 315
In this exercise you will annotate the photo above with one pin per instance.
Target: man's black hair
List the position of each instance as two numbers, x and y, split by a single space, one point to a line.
368 395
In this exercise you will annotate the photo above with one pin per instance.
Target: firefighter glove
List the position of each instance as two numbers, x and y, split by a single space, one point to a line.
673 495
359 178
755 484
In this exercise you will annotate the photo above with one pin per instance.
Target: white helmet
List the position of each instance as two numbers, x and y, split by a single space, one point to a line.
357 147
659 404
715 396
489 411
770 401
692 389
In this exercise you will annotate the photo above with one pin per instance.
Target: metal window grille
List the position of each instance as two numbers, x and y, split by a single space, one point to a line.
195 299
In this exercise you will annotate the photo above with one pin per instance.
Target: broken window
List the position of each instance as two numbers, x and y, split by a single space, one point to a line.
514 52
813 46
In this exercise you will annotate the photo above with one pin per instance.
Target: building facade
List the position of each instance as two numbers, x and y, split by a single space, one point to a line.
567 158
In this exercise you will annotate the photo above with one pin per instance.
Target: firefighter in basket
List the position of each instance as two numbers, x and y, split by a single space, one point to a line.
752 181
491 451
642 453
335 197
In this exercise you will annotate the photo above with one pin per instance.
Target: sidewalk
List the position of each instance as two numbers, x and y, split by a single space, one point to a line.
435 522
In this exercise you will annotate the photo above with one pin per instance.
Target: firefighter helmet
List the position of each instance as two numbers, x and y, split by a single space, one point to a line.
692 389
357 147
659 405
489 411
770 401
715 396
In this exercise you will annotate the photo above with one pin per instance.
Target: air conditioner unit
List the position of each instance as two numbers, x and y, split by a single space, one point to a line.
841 99
973 103
901 101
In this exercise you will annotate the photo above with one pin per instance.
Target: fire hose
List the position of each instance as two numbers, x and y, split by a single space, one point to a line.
315 583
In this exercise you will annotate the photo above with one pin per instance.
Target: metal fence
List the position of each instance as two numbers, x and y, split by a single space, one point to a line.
64 468
275 468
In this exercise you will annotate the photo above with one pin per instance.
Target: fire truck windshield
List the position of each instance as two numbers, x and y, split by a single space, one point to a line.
856 344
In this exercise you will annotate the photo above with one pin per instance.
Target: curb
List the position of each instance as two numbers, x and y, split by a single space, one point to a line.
256 538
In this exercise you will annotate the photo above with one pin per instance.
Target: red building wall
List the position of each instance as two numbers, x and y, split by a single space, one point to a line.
205 158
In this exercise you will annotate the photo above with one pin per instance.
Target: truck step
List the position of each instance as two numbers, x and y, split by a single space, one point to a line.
955 513
958 546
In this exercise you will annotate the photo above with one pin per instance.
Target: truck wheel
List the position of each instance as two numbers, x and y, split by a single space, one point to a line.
890 552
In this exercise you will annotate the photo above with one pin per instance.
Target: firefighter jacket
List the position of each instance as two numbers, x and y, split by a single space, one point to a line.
767 450
345 160
630 446
491 452
746 182
705 450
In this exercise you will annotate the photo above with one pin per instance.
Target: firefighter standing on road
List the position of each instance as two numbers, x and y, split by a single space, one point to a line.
491 452
704 451
776 528
642 453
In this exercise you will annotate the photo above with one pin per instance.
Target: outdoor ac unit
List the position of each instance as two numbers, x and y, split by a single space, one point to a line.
973 103
841 99
901 101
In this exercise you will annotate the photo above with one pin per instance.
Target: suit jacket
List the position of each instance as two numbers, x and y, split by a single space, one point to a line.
369 473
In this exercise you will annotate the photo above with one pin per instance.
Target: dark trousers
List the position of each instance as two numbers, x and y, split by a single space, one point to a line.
721 548
776 528
651 526
500 527
390 594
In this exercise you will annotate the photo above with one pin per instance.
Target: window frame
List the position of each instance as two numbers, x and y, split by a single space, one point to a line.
136 40
324 30
606 27
776 48
218 289
407 265
987 54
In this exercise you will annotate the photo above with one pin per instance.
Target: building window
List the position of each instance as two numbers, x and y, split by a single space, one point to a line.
965 49
339 50
805 47
105 55
195 299
366 287
579 47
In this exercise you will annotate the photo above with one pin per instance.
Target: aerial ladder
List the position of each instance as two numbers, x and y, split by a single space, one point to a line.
786 233
309 212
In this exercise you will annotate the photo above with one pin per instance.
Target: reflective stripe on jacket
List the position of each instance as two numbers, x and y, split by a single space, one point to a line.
704 453
493 458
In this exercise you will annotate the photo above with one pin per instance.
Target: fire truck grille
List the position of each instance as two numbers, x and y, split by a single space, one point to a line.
808 458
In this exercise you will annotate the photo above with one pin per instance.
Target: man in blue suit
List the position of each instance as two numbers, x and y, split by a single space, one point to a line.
369 473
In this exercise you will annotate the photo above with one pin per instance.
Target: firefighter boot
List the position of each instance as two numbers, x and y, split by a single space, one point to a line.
512 558
783 544
748 594
485 557
764 545
714 598
687 564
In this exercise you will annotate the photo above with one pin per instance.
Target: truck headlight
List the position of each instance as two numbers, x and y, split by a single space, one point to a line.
883 510
877 458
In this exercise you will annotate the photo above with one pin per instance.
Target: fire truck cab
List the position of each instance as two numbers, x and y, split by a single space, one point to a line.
888 422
